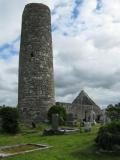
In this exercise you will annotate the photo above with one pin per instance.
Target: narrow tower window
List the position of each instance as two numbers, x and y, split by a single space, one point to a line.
32 55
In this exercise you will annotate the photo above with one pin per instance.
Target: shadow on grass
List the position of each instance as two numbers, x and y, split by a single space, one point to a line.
91 153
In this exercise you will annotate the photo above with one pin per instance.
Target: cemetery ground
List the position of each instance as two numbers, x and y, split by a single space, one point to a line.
77 146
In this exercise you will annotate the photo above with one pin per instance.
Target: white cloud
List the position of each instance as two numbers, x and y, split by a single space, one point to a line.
86 48
11 17
8 81
91 49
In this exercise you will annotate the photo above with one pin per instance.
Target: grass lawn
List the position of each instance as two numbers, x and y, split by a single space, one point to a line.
78 146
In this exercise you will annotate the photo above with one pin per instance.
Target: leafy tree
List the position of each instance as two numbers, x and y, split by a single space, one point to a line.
57 109
9 117
113 111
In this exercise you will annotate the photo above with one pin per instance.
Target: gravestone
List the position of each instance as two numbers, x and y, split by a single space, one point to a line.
92 117
54 130
55 122
87 126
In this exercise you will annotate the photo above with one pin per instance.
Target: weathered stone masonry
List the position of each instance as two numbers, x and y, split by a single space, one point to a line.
36 84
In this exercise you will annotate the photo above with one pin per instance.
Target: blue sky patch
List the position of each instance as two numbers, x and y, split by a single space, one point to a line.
65 34
75 12
3 47
99 5
9 49
54 28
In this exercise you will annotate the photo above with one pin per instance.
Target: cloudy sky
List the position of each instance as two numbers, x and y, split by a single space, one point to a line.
86 48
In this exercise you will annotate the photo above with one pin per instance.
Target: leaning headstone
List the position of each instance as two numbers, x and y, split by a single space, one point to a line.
87 126
55 121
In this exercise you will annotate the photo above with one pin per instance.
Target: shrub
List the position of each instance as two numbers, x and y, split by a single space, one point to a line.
108 137
9 120
57 109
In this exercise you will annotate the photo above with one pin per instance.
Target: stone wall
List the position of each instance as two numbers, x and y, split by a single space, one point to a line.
36 84
80 111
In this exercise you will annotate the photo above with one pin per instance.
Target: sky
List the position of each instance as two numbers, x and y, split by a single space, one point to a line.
86 49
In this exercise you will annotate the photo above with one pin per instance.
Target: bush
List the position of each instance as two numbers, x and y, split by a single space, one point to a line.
9 120
57 109
108 137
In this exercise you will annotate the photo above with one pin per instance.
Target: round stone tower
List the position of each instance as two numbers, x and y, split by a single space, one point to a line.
36 84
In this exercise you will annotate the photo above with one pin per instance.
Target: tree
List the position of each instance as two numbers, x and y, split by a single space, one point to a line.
57 109
9 117
113 111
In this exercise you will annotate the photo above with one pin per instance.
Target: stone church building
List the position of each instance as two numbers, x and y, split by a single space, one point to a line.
82 106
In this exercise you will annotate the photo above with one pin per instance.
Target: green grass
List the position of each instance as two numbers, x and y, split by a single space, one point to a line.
78 146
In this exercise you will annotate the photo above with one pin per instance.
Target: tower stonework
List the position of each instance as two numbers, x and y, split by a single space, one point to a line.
36 82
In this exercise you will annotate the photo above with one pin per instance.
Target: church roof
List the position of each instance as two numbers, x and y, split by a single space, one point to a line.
83 99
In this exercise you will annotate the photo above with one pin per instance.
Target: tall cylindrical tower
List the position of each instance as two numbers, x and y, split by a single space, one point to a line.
36 84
